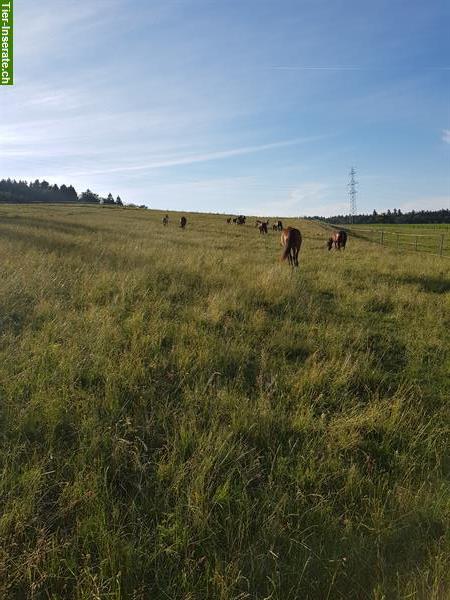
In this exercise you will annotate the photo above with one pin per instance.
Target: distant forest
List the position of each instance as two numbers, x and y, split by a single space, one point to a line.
396 217
20 192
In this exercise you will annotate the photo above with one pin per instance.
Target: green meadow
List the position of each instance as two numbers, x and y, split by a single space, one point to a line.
433 238
184 417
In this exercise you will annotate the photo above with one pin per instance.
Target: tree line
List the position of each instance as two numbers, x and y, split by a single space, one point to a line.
395 216
20 192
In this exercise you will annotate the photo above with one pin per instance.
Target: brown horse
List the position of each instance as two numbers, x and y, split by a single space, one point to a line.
291 240
338 239
165 220
263 226
280 226
183 222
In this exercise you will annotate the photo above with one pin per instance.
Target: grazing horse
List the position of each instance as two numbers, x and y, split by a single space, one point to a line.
338 239
291 240
229 220
240 220
165 220
280 226
183 222
263 226
274 227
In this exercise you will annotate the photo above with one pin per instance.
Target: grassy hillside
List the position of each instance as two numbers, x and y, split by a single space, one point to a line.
183 417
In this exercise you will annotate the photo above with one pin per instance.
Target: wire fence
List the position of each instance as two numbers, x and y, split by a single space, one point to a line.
437 244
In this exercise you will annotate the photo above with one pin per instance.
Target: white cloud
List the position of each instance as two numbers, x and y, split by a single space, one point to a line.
312 68
44 26
194 158
446 135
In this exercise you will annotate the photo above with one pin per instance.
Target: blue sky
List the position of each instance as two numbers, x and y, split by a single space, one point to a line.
237 106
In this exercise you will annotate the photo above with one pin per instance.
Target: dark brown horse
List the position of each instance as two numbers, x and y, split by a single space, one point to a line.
291 240
280 226
183 222
229 220
165 220
338 240
263 226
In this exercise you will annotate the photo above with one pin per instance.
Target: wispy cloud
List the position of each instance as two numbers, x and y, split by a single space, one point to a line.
197 158
316 68
446 136
69 27
49 24
349 68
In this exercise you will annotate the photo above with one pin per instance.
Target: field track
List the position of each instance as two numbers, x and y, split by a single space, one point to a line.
182 416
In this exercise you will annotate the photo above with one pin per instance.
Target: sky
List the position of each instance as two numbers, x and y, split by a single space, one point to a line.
234 106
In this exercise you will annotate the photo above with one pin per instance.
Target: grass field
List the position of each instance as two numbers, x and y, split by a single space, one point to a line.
432 238
183 417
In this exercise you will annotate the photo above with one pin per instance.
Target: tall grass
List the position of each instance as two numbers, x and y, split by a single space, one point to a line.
184 417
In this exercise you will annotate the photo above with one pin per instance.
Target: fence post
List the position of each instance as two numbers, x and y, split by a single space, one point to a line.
382 237
441 246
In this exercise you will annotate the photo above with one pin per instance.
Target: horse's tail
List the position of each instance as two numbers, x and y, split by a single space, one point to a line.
286 251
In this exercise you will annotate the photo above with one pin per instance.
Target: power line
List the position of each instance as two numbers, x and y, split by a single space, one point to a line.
352 191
